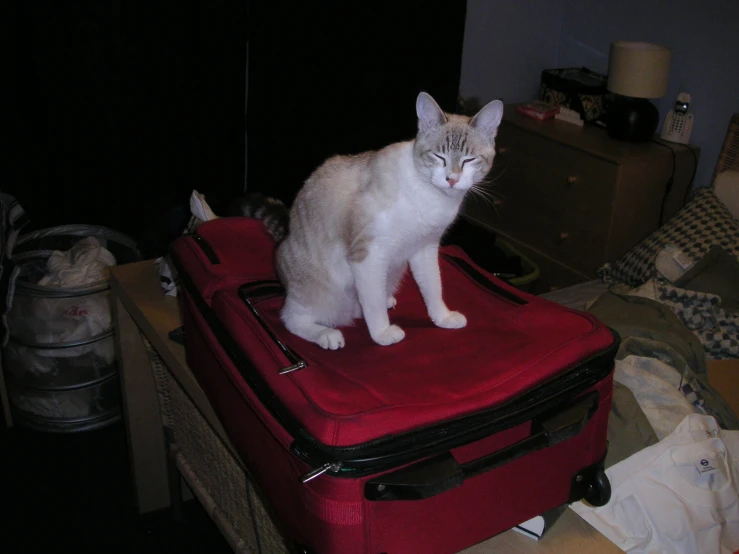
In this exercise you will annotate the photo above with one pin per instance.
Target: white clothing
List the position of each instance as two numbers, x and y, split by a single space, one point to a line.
83 264
656 387
678 496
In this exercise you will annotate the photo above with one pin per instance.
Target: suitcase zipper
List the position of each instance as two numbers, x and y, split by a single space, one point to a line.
333 467
360 460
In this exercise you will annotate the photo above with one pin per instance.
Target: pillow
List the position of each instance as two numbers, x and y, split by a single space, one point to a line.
716 273
703 222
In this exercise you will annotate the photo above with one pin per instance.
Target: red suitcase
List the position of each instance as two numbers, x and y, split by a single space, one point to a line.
430 445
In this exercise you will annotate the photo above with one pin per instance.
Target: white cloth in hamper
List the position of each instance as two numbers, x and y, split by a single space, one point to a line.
85 263
678 496
78 318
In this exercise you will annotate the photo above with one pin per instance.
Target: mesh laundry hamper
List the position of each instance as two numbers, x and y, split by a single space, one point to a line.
60 358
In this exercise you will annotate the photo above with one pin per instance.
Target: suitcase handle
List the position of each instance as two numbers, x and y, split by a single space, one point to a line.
484 281
261 290
441 473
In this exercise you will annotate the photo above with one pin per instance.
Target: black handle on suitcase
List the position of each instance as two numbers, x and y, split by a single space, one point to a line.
263 290
441 473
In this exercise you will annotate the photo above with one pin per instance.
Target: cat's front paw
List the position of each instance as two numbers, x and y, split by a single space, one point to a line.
391 302
330 339
451 320
389 335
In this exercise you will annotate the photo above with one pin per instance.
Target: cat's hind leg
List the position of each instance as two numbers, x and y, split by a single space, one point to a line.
299 321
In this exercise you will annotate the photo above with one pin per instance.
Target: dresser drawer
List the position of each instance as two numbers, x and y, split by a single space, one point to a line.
577 240
528 165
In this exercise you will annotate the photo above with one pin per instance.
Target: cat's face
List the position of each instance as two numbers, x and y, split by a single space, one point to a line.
454 152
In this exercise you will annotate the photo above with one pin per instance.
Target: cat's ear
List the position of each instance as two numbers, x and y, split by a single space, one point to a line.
429 113
488 119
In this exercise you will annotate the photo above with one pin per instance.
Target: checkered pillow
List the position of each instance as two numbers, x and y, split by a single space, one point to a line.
703 314
703 222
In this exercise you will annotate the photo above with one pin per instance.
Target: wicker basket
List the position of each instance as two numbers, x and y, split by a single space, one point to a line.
216 477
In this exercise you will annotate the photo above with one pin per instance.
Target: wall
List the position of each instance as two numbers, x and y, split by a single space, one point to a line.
705 49
518 39
506 45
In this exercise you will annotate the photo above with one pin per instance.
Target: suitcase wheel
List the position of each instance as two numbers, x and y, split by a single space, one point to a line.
598 490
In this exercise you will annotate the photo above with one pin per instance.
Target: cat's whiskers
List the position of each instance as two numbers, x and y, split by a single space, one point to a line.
486 192
478 197
490 180
478 191
502 172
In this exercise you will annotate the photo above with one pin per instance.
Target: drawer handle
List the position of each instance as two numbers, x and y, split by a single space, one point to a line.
562 237
571 179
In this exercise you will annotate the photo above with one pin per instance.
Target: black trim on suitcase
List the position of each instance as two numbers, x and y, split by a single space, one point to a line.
390 452
206 248
481 279
270 289
441 473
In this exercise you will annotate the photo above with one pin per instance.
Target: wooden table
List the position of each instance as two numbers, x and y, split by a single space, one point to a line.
142 310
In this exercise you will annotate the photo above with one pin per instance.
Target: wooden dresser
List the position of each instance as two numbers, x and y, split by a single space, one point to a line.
571 198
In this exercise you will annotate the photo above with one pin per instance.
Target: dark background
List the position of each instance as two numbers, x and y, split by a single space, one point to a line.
124 107
120 109
343 80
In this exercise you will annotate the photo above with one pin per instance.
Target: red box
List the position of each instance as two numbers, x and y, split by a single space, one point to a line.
538 110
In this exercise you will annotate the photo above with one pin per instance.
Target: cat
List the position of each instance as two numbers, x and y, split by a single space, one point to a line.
360 221
271 211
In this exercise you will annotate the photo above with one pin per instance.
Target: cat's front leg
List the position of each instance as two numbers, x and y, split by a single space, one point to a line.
370 280
394 277
425 270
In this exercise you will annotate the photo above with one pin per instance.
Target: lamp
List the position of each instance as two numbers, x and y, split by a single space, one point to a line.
637 71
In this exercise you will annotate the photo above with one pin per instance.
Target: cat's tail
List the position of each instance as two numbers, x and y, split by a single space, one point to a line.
272 212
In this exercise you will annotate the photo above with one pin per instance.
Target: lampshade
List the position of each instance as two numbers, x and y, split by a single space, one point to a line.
638 69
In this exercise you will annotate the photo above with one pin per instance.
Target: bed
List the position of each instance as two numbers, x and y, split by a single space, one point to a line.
674 299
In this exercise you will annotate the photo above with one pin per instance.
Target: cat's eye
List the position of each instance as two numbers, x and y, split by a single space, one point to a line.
442 159
467 160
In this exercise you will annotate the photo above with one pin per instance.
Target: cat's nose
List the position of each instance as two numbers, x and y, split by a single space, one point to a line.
452 181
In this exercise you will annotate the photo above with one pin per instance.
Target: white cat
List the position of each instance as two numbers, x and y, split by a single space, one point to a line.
359 221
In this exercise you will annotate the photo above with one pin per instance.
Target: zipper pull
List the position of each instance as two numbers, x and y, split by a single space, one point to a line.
289 369
334 467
